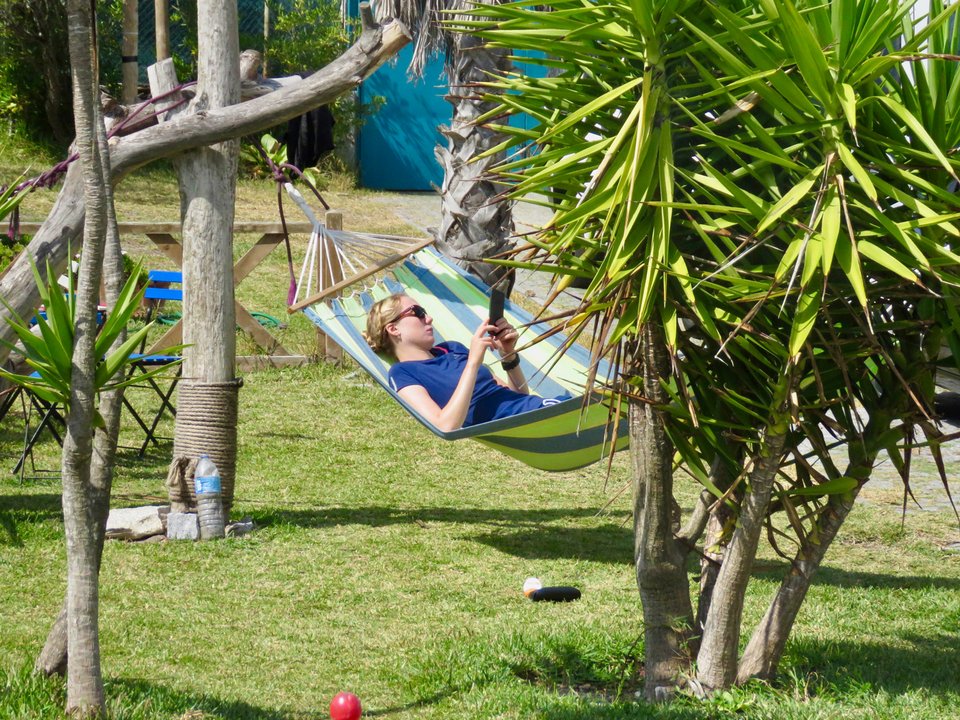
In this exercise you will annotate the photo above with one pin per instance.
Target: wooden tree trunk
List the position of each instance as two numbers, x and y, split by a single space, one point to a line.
208 179
53 657
660 560
161 17
474 224
762 654
717 659
130 66
712 558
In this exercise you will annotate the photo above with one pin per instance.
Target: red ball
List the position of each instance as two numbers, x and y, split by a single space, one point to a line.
345 706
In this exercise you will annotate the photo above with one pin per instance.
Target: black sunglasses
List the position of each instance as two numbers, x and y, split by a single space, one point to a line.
416 311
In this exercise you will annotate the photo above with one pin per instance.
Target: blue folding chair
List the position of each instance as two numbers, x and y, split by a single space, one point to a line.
159 289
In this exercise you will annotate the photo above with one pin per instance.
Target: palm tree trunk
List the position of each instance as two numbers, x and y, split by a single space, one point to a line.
762 655
660 560
52 659
474 224
712 560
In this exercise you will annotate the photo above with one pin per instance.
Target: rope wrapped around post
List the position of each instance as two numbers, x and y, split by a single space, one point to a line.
206 423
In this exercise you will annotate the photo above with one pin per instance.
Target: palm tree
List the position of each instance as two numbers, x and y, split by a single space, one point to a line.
757 194
476 223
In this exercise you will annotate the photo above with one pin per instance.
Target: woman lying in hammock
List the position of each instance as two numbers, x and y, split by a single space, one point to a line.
448 384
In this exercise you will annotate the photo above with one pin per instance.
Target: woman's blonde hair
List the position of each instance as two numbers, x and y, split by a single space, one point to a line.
382 314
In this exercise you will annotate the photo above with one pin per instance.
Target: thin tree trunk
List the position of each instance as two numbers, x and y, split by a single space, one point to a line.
717 659
761 658
85 696
660 559
762 655
474 223
129 48
712 559
52 659
161 10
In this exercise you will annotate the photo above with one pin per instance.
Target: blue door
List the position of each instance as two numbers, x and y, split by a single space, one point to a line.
395 145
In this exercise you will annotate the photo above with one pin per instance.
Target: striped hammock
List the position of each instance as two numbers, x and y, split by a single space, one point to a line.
565 436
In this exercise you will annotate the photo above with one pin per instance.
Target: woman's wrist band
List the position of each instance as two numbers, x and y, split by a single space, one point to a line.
509 365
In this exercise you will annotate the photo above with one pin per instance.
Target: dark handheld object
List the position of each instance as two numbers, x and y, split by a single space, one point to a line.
497 298
557 593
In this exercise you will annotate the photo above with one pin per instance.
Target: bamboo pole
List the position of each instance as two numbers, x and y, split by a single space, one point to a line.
161 9
130 66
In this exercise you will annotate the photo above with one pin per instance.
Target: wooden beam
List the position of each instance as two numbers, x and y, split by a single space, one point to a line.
168 245
248 323
252 257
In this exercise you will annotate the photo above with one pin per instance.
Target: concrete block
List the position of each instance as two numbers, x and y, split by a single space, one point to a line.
183 526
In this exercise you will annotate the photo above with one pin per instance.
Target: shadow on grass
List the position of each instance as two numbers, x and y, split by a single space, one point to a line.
929 664
31 507
608 544
165 702
627 710
525 533
855 579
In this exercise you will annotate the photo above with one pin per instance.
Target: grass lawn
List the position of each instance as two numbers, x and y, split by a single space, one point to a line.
389 563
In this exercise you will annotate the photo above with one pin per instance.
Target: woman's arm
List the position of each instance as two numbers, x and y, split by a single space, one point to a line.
451 416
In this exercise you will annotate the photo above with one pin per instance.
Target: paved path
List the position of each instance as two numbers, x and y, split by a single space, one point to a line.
422 211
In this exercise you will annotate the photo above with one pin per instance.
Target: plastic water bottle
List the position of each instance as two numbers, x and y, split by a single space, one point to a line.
206 480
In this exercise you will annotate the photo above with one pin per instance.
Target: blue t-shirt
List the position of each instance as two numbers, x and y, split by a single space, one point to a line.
439 377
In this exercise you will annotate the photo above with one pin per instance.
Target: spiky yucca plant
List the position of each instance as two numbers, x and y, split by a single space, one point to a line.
761 199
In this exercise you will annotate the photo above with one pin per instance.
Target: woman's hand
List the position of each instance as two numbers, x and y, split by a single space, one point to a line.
505 337
480 342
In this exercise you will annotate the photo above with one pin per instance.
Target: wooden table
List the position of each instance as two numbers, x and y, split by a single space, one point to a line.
165 236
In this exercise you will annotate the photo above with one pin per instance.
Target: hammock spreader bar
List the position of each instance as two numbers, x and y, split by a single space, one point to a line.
559 437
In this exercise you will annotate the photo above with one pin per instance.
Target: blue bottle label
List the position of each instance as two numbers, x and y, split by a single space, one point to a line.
207 484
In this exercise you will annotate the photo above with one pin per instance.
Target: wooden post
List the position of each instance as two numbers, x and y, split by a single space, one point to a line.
329 273
161 10
129 50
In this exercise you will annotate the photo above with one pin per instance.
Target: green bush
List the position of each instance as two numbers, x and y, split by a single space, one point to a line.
33 34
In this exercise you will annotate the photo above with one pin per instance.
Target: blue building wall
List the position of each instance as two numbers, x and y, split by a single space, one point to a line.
395 146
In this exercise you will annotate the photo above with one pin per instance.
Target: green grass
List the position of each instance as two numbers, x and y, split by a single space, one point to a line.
389 563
